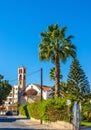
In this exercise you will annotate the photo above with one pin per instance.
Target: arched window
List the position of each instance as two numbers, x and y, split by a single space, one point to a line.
20 82
20 71
20 77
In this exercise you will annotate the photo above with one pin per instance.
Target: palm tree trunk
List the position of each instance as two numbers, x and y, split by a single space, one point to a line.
57 75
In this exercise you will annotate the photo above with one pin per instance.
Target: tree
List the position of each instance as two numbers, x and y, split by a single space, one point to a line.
77 82
62 84
52 74
63 89
5 89
55 46
86 111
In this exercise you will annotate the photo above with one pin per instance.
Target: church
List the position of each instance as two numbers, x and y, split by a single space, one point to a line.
24 94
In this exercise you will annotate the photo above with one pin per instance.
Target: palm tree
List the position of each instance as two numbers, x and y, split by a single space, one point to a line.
55 46
52 74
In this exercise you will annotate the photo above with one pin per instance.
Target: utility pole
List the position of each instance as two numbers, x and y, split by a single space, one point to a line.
41 82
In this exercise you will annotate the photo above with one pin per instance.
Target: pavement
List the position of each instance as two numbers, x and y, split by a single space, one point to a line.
86 128
13 123
37 124
23 123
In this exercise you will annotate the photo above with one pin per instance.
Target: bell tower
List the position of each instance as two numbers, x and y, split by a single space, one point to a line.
22 78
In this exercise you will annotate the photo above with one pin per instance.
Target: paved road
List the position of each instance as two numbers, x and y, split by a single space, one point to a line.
12 123
86 128
18 123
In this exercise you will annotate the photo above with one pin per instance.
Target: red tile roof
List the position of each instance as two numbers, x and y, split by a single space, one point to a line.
30 92
45 88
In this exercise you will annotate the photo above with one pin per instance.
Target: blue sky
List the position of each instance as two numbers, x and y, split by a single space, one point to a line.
22 21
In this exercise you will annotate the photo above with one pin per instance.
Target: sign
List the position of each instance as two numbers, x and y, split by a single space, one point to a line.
76 115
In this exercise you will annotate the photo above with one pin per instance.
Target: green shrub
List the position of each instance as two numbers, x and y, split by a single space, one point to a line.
50 110
86 112
33 110
23 110
26 111
58 110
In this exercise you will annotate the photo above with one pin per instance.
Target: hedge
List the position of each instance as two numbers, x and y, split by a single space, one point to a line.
33 110
48 110
23 110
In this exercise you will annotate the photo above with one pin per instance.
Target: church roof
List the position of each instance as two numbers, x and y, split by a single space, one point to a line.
30 92
45 88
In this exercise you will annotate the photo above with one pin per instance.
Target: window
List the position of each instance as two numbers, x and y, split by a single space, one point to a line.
20 77
20 71
20 82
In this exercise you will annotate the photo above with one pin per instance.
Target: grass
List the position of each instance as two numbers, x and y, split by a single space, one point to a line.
84 123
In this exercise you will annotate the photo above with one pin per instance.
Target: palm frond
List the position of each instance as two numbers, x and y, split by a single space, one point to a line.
50 28
44 34
62 31
55 27
69 37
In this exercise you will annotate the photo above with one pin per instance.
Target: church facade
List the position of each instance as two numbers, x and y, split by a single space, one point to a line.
30 93
24 94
